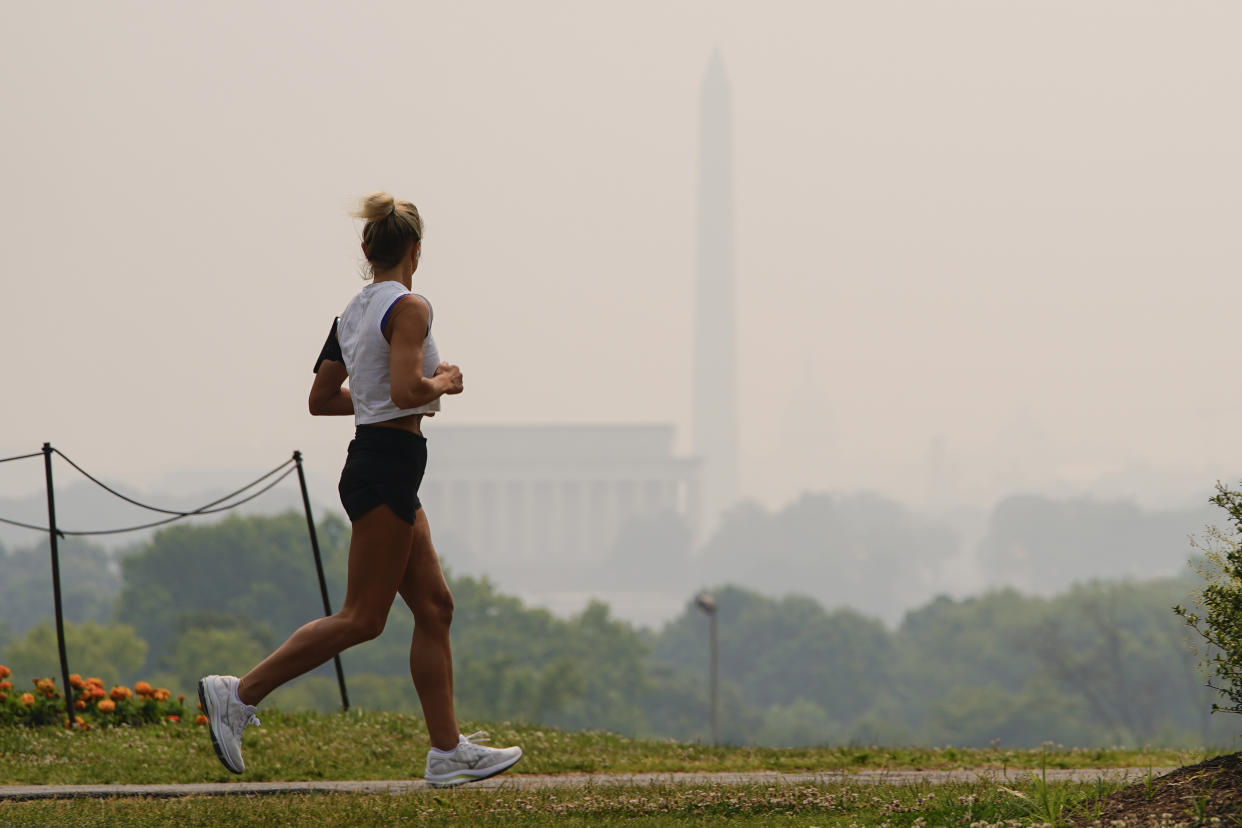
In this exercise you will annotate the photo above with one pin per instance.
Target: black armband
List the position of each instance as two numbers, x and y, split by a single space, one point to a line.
331 348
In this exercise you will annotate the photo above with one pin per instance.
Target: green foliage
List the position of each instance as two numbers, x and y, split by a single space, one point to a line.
31 705
990 714
89 584
1046 545
227 651
1100 664
781 652
367 691
1220 601
42 703
796 724
975 642
1124 662
861 551
113 653
258 569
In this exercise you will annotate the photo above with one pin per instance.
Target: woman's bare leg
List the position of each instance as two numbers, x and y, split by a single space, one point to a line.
431 659
379 551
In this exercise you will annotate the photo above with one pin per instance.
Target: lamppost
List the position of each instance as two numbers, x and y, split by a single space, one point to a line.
707 602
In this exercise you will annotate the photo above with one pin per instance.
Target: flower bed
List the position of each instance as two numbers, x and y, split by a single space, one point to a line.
94 705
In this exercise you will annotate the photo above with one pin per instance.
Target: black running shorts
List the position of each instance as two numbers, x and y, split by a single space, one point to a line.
384 466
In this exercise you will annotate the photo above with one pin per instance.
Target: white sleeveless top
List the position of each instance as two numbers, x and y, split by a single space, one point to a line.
365 351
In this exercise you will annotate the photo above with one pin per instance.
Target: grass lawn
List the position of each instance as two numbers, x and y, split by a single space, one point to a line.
970 805
372 745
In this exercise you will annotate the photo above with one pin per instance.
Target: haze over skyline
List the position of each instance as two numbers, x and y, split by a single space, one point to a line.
979 248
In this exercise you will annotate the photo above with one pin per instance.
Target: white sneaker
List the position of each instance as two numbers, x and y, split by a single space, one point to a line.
227 718
468 762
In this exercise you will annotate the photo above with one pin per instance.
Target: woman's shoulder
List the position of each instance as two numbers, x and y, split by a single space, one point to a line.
411 304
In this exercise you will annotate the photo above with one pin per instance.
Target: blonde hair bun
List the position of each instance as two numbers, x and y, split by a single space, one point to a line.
391 227
376 206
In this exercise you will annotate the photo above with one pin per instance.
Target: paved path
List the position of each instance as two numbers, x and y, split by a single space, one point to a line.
535 781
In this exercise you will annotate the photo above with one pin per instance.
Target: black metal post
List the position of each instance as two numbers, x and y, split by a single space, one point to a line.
60 617
323 584
707 602
715 685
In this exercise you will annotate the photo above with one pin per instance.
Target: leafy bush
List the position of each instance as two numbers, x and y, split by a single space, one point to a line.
114 652
1220 625
93 705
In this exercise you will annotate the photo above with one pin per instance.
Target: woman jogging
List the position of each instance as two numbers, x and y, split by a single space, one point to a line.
382 345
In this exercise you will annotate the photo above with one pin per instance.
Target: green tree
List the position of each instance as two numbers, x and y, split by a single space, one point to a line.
781 651
861 551
229 651
1116 649
677 705
947 647
1220 602
797 724
89 583
1045 545
516 662
256 569
989 714
113 653
1100 664
608 658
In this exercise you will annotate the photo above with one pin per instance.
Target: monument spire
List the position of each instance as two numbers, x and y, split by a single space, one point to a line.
715 433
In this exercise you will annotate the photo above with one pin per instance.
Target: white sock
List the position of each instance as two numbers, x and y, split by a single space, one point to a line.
237 697
435 751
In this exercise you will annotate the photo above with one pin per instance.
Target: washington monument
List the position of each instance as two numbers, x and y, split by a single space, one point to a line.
715 433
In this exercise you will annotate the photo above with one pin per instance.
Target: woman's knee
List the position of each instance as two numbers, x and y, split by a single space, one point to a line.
435 611
364 626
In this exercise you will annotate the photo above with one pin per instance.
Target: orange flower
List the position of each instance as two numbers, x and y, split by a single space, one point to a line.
181 699
4 672
174 718
162 694
119 693
44 685
200 719
142 688
98 682
4 697
107 706
27 699
79 705
6 685
97 691
75 681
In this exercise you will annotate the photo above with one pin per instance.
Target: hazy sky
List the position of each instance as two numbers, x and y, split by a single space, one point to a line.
981 247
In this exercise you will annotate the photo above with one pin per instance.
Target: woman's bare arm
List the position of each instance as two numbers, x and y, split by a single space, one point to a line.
406 332
328 394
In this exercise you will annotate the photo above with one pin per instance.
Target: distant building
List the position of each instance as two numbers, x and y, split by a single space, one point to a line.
546 493
549 493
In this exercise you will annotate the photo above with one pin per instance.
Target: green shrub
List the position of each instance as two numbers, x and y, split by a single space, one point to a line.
1220 602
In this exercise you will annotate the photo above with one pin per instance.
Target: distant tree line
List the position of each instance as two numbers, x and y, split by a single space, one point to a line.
869 552
1099 664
